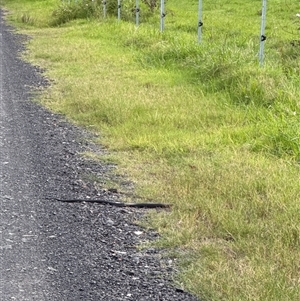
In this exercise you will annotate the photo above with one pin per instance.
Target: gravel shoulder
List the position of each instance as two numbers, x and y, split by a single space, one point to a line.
51 250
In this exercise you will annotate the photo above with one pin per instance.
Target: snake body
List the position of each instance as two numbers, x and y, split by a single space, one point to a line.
118 204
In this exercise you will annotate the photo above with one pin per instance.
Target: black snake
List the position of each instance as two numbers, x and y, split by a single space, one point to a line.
114 203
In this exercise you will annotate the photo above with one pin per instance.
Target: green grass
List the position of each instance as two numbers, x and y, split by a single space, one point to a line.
200 126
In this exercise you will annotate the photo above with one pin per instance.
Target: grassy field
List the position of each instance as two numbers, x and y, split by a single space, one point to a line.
200 126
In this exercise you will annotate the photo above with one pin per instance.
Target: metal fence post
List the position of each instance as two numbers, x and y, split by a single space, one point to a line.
119 10
262 32
104 8
162 15
137 13
200 23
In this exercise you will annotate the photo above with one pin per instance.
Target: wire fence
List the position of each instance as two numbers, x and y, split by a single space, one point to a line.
161 4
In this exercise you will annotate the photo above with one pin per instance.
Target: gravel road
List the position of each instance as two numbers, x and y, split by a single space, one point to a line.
63 251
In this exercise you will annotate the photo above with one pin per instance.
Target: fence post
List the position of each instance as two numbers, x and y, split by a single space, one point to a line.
137 13
104 8
262 32
119 10
200 23
162 15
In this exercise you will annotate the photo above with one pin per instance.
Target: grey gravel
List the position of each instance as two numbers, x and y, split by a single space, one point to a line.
63 251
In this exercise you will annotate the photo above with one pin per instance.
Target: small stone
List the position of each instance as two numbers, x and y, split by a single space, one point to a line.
110 222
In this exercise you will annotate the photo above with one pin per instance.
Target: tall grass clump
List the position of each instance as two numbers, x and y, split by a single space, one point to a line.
32 13
68 11
86 9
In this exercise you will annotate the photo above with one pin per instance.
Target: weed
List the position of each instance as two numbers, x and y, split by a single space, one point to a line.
74 10
27 19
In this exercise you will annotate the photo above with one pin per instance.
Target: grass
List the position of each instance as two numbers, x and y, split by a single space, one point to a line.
200 126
